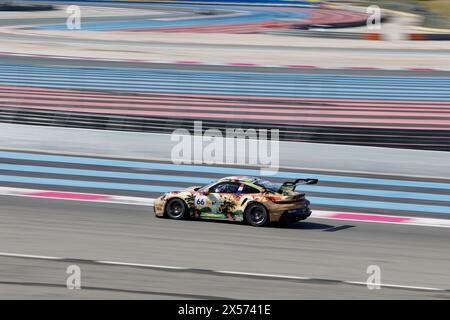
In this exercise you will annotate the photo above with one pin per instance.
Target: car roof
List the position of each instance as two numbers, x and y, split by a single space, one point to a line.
244 179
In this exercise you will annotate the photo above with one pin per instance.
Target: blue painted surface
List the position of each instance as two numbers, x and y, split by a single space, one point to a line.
332 195
245 15
86 184
197 180
155 188
104 173
394 206
230 83
216 170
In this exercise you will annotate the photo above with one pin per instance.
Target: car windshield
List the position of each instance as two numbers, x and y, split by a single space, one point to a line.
271 186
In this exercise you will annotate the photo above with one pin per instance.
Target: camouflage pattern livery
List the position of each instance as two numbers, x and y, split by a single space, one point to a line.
231 198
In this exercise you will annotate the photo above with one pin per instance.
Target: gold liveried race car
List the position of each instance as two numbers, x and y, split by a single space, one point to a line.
253 200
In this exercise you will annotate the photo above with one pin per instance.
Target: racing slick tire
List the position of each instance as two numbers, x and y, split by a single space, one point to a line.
257 215
176 209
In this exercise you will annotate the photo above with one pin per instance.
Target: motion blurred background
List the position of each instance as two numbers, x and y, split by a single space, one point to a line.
86 116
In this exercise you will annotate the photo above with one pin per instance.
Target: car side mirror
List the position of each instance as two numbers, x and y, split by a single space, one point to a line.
206 192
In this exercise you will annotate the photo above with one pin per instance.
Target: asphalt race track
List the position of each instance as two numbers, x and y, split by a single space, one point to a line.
321 252
324 254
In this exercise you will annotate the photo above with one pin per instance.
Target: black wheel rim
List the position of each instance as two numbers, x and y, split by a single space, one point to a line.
257 215
175 209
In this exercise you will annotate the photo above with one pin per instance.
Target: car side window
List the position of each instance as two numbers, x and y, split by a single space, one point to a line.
248 189
225 187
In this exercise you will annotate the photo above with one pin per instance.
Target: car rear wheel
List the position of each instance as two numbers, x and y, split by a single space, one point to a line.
176 209
257 215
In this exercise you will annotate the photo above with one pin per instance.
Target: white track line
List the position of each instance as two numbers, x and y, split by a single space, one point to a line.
267 276
17 255
263 275
140 265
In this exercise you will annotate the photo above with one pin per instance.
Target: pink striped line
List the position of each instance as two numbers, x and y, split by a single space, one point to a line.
315 112
368 217
67 195
223 96
166 102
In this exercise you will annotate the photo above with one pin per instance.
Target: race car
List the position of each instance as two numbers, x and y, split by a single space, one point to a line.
248 199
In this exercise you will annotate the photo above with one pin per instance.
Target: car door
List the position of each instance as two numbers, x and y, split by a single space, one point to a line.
219 201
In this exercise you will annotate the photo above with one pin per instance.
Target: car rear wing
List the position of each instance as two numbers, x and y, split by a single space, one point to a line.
293 184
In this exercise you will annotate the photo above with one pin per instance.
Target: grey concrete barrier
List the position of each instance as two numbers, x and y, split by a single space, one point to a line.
429 36
292 154
406 138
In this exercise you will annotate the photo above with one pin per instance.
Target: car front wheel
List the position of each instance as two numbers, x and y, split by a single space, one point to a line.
176 209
